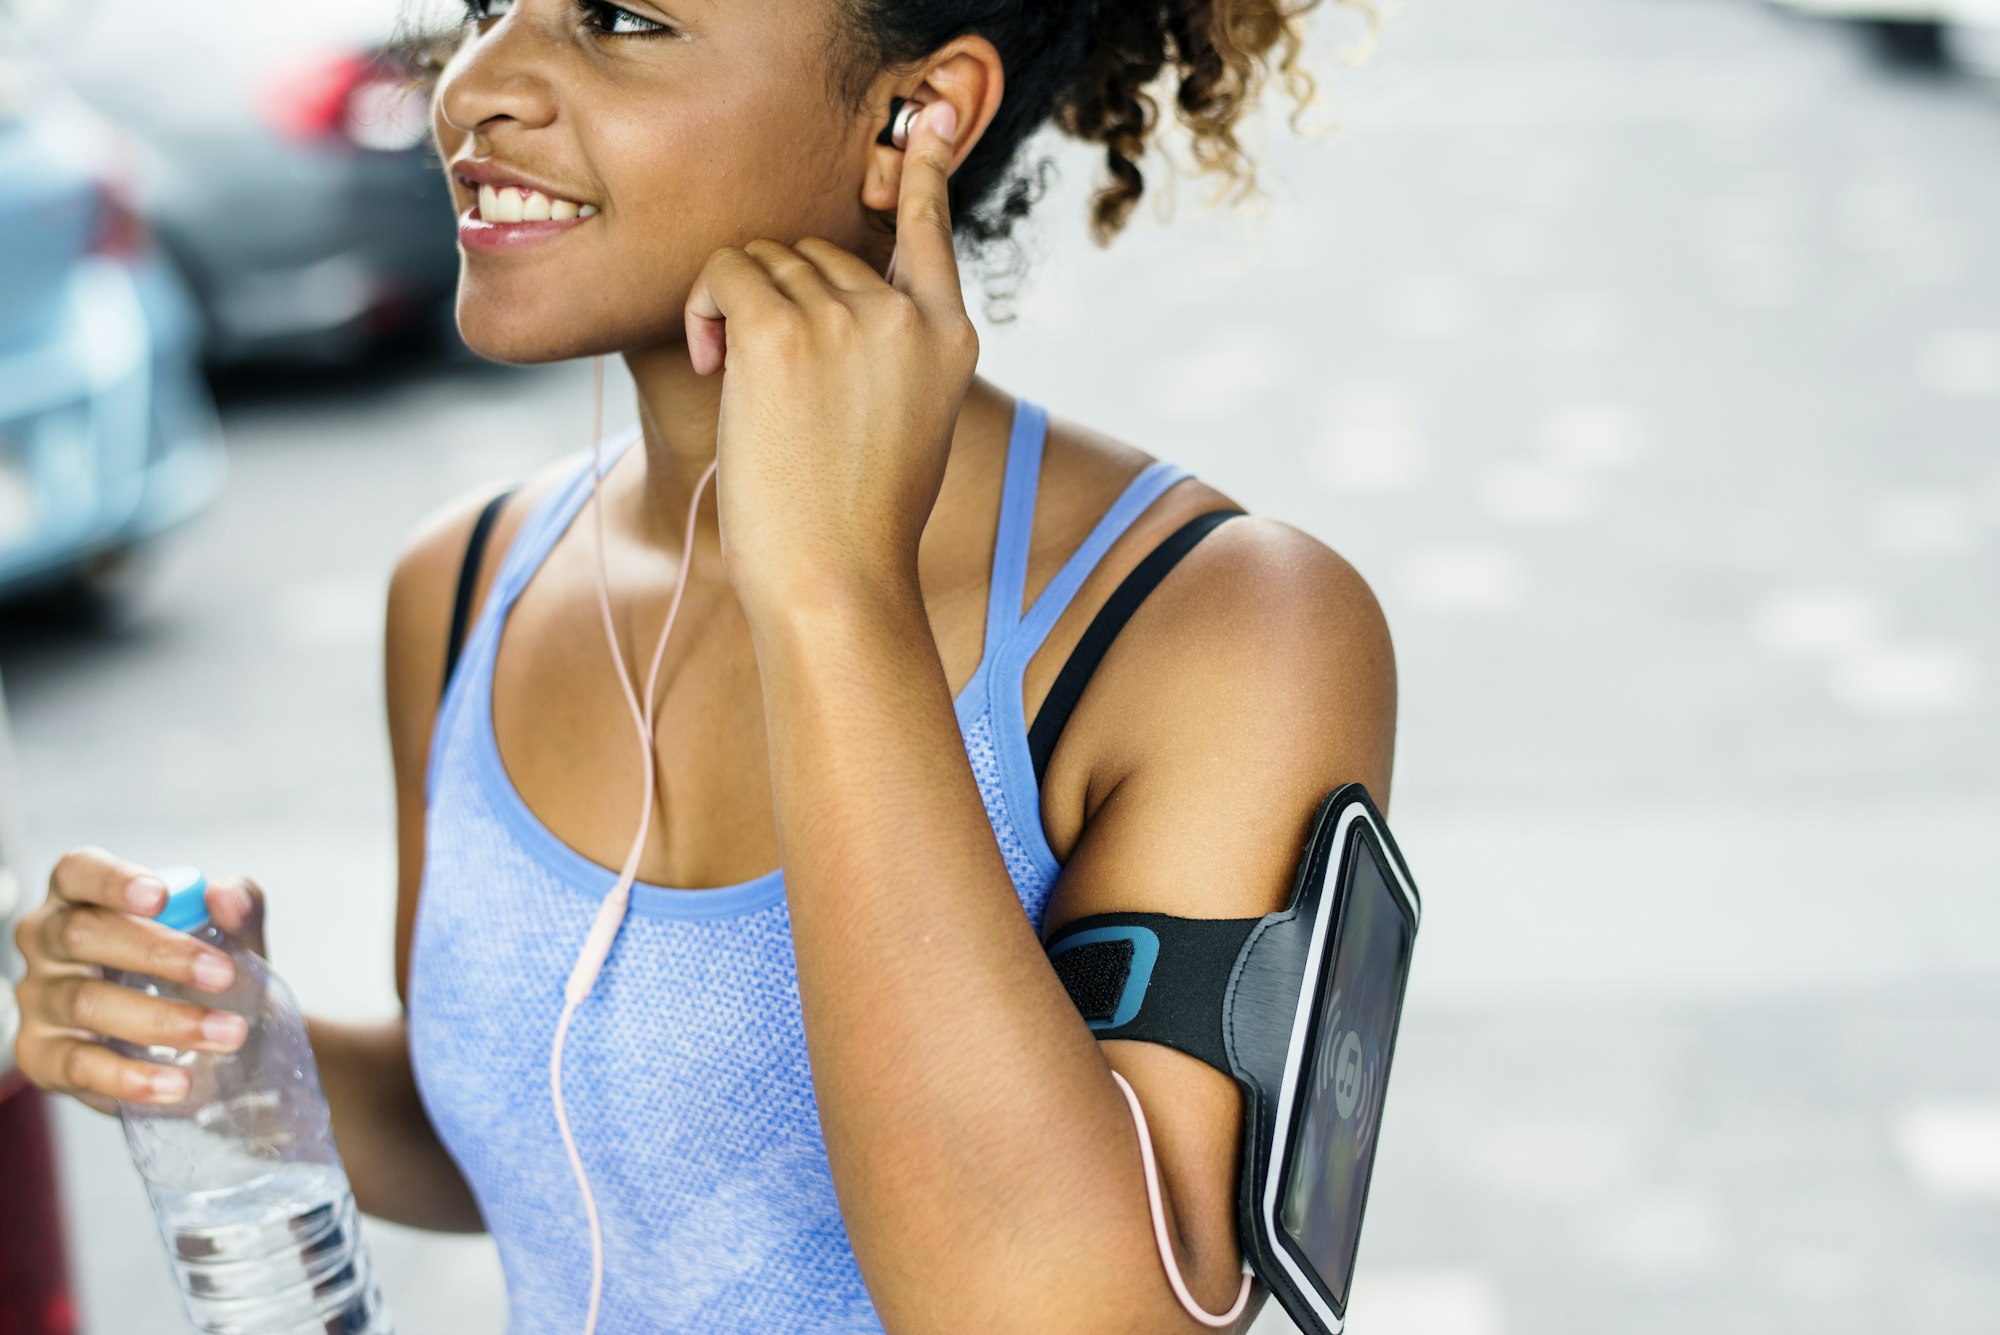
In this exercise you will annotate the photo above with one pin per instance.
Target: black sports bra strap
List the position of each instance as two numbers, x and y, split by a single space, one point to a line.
468 576
1104 628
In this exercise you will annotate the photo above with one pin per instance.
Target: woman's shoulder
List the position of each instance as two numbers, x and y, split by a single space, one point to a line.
1251 566
423 585
1263 644
434 548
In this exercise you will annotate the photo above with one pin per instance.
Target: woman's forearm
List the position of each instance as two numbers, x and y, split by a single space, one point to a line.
985 1161
398 1168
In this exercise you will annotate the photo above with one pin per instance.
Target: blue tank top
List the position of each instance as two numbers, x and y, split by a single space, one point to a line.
685 1070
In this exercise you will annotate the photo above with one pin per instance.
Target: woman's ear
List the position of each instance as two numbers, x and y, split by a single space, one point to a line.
967 73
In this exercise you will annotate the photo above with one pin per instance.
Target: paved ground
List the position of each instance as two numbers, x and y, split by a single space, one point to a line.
1646 358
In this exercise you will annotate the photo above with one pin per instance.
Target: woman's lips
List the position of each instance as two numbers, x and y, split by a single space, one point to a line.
475 233
507 217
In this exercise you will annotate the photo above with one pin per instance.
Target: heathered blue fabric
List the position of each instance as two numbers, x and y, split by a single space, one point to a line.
685 1071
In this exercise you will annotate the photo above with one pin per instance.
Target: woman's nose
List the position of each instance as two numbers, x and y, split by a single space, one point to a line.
501 74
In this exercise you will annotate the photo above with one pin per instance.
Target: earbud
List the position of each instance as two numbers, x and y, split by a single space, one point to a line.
903 115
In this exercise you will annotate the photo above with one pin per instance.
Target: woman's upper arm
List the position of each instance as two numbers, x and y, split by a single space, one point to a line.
1251 683
418 626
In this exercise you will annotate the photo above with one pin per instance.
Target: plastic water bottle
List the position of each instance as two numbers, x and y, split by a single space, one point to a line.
248 1189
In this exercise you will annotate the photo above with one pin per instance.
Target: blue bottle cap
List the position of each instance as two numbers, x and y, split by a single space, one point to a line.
187 904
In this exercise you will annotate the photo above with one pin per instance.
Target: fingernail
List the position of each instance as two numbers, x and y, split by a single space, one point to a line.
213 971
224 1027
170 1084
146 894
944 119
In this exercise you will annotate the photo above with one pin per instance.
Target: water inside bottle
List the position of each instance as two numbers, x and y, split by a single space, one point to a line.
280 1254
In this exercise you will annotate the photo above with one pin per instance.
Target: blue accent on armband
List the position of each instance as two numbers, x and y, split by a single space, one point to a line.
1145 950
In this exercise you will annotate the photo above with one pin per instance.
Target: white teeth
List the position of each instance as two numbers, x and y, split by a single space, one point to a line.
513 204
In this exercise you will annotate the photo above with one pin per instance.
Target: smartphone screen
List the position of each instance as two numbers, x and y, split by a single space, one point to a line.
1337 1110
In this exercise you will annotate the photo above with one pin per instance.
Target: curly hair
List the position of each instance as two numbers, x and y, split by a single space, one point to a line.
1088 66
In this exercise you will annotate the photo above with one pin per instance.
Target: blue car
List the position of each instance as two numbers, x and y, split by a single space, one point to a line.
108 436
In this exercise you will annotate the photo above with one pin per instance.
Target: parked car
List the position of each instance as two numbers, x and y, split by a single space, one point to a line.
108 435
285 162
35 1297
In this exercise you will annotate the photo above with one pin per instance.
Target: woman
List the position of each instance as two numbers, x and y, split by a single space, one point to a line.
849 1095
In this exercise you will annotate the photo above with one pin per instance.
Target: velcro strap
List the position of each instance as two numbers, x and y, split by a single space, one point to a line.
1152 977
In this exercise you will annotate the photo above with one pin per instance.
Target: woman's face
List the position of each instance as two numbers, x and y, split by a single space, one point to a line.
684 124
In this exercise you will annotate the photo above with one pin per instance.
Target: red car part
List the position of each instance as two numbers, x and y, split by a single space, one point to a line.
34 1275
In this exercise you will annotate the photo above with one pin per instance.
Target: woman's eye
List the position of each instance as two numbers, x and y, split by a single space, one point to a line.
615 22
598 15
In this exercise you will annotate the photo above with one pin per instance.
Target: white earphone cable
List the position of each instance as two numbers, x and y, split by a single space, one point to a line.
611 913
1194 1309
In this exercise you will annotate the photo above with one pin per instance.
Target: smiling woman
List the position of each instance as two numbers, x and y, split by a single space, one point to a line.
792 1056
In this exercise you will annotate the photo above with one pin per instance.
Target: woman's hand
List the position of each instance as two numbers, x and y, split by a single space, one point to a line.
94 918
841 391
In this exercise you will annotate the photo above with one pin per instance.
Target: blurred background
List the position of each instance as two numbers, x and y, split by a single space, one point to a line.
1645 358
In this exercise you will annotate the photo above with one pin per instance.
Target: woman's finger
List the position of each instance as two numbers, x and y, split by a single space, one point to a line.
793 273
731 285
114 940
91 875
236 905
925 266
66 1064
841 268
78 1001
